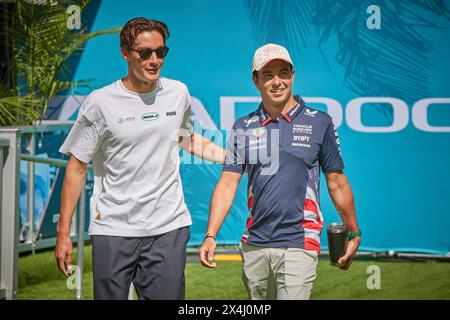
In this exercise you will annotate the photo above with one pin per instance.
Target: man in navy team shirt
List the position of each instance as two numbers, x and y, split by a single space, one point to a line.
282 146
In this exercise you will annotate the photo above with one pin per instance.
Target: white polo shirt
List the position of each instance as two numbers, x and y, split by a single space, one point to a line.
132 140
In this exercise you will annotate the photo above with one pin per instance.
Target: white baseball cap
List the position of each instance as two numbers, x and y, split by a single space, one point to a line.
267 53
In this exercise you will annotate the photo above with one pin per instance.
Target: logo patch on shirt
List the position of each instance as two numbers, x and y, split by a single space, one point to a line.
127 119
301 138
302 128
310 113
171 113
299 144
301 141
293 110
337 140
150 116
251 120
257 143
98 217
258 132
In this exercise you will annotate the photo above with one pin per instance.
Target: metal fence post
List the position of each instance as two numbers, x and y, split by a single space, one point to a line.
78 220
9 233
3 144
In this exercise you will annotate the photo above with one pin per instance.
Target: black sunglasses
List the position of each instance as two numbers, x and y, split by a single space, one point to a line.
146 53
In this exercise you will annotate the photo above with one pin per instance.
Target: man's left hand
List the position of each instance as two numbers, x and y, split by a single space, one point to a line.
347 259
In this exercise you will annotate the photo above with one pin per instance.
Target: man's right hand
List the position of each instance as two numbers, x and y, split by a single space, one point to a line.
206 252
63 254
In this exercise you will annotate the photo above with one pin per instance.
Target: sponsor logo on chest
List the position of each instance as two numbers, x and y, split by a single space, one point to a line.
251 120
301 138
257 143
310 113
258 132
127 119
301 141
150 116
302 129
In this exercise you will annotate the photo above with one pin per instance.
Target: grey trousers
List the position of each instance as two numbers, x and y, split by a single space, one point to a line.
154 264
278 273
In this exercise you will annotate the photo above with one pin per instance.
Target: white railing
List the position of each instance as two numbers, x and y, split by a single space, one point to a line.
10 156
80 213
4 144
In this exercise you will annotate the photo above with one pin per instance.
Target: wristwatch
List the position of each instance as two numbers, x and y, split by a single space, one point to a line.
209 236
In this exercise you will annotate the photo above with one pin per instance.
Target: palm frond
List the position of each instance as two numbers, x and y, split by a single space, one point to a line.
55 87
42 44
438 7
280 21
17 110
393 61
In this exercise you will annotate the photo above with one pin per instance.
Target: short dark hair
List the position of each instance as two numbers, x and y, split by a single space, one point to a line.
255 73
135 26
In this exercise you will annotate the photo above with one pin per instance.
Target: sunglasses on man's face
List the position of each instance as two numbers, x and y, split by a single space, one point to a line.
146 53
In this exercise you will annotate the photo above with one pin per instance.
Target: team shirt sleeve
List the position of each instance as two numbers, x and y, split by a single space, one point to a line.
235 159
330 158
85 136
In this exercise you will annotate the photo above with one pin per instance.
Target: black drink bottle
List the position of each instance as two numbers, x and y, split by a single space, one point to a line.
337 242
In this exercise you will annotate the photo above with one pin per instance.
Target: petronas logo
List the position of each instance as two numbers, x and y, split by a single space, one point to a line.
150 116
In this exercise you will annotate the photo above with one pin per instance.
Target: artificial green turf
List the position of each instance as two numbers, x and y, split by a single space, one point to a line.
40 279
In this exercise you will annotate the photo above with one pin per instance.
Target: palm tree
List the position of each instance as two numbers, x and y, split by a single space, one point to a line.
41 44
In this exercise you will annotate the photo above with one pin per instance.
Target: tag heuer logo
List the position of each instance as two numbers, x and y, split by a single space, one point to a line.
258 132
151 116
310 112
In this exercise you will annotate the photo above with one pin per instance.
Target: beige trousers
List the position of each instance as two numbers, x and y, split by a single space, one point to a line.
278 273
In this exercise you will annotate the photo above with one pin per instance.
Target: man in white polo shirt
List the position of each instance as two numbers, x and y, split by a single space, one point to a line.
131 130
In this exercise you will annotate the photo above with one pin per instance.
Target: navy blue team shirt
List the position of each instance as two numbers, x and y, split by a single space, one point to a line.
283 158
